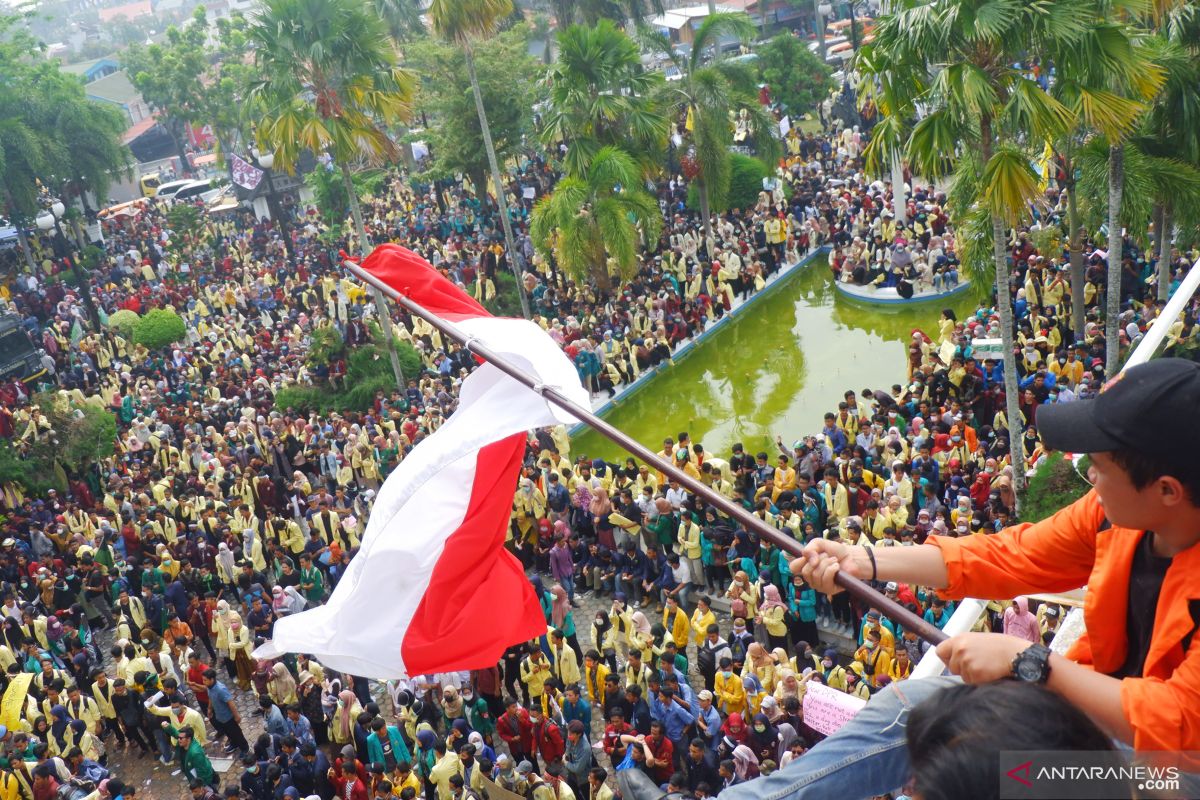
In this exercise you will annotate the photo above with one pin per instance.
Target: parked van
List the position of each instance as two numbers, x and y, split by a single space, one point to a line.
204 190
167 190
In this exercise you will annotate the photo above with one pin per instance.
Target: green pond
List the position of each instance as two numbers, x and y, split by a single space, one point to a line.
775 369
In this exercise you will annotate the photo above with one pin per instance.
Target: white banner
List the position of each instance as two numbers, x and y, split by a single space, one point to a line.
826 709
245 174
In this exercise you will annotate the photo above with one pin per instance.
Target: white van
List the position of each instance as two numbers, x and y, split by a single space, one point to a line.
166 191
204 190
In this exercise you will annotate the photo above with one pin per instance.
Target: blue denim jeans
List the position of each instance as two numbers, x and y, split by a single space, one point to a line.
868 756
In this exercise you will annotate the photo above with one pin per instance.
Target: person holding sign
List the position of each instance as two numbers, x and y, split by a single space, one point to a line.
1134 539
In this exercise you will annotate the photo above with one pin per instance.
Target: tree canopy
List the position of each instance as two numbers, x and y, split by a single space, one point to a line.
508 82
797 77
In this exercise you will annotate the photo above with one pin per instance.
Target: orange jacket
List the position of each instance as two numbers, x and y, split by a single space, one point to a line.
1068 550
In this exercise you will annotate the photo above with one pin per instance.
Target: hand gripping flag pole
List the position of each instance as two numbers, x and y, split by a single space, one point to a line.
860 589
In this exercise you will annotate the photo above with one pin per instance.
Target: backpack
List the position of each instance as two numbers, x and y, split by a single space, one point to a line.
74 789
737 646
92 771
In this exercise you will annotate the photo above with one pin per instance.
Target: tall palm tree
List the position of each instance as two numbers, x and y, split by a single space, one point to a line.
1172 128
84 152
600 95
462 22
1152 183
330 83
1107 77
594 224
590 12
954 61
708 93
402 18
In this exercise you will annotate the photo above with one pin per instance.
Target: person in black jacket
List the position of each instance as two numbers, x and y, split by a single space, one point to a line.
319 763
700 766
127 702
254 780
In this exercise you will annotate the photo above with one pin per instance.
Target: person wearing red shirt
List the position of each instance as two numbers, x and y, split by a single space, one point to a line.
346 782
516 729
616 728
547 738
661 752
195 681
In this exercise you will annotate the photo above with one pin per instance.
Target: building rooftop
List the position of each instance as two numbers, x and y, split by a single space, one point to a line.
93 69
115 88
141 8
678 18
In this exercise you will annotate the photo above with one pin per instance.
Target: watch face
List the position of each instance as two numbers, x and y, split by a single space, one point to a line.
1029 669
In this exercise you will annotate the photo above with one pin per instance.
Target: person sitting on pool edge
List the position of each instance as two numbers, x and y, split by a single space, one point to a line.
1134 540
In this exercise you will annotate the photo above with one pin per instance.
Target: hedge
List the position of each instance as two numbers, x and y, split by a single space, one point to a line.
159 328
1055 485
745 182
123 321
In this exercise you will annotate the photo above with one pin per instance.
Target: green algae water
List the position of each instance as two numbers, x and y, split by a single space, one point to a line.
775 369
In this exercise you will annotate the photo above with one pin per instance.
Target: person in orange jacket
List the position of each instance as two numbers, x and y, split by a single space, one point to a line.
1134 539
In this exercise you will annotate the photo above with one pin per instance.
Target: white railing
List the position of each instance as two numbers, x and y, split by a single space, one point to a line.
968 611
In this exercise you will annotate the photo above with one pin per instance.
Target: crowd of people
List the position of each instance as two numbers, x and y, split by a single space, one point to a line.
135 594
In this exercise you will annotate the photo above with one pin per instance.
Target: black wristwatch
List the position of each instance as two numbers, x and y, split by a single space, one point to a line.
1032 664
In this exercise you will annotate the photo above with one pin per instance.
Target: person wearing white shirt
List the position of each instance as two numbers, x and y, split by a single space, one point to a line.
676 496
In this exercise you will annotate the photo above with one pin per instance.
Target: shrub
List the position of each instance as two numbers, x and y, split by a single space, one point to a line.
122 322
506 303
159 328
745 182
324 345
361 395
1055 485
411 363
300 398
81 435
798 79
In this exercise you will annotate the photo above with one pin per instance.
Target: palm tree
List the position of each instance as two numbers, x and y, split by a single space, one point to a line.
601 95
708 94
402 18
594 224
1156 188
1107 77
1172 128
462 22
330 84
84 153
590 12
954 61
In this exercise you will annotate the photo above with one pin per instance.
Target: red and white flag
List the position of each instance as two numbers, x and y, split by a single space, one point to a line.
432 588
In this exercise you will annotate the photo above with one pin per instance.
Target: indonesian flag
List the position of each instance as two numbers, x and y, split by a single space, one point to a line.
432 588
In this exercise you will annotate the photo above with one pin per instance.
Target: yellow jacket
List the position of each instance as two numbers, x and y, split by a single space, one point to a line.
534 675
191 719
700 623
679 628
565 665
731 694
594 678
689 541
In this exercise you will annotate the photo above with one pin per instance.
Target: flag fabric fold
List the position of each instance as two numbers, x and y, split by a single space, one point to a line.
432 588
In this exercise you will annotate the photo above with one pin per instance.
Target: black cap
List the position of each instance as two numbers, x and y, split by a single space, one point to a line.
1134 410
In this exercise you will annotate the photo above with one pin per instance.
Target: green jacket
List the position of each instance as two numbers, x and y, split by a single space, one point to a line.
193 761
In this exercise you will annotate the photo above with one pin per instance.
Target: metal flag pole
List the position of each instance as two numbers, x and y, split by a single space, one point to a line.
860 589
